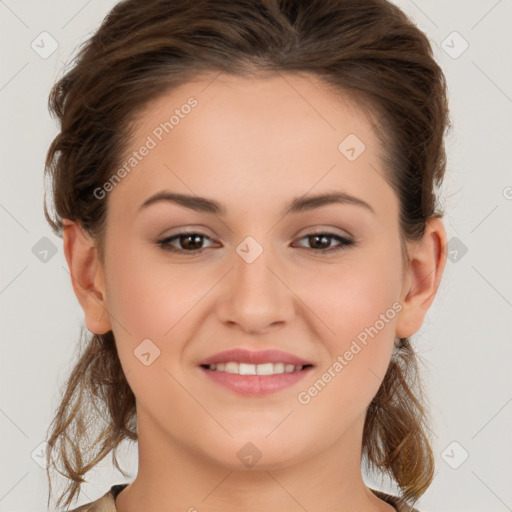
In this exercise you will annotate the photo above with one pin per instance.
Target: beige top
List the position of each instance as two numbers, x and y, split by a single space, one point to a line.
107 502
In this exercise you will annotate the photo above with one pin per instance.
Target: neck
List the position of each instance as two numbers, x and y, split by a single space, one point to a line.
177 478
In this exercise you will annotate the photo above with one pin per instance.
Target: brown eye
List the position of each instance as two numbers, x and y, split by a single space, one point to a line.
187 242
191 242
321 242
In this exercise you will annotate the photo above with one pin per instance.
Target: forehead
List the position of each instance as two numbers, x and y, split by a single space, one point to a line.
251 139
272 98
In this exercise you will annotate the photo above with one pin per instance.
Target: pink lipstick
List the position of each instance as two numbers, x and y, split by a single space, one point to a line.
255 373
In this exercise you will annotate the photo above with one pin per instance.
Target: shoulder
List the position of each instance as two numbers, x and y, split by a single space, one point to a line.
399 504
104 504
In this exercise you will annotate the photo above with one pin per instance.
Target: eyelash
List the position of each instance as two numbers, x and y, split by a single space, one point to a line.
344 242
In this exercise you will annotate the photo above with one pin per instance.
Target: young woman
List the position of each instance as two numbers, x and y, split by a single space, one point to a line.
247 197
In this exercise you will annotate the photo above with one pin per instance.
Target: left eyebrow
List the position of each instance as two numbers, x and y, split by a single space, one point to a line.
297 205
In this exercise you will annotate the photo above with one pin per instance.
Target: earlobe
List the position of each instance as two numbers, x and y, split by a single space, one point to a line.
427 259
87 277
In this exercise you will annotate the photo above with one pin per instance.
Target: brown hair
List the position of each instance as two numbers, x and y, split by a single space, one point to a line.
368 49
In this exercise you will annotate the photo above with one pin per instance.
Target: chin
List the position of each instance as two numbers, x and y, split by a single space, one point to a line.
254 452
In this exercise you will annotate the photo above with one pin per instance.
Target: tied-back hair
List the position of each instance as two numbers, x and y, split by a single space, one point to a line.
367 50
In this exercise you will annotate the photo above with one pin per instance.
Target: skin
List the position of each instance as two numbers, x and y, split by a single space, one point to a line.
253 145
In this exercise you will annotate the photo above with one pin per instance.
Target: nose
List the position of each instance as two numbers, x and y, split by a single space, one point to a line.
256 296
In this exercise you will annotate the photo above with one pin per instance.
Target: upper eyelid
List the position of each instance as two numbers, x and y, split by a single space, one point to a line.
312 231
329 234
200 233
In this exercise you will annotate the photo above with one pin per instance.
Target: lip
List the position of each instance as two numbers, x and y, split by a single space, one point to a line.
255 385
241 355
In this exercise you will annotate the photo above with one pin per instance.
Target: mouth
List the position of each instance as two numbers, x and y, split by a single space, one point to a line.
254 373
255 369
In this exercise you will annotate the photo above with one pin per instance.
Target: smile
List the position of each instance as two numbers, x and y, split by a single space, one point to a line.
255 369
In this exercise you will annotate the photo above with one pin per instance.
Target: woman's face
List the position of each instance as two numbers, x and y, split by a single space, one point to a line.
253 275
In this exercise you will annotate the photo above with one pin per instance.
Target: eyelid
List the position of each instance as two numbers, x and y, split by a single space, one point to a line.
165 241
326 229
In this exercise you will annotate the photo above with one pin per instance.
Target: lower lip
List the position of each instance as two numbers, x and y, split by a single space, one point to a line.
256 385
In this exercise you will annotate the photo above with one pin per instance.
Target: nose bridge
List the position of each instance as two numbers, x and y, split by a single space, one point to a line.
256 297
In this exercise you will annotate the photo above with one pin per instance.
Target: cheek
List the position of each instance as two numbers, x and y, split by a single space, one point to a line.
159 302
148 305
351 295
357 304
147 298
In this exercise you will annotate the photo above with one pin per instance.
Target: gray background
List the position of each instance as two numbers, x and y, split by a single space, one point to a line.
465 340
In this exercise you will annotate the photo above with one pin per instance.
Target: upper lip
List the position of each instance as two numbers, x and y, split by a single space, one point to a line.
241 355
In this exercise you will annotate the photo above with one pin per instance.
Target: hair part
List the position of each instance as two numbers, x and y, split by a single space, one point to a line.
367 50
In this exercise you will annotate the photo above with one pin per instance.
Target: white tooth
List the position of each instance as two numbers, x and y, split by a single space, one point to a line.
265 369
231 367
278 367
255 369
247 369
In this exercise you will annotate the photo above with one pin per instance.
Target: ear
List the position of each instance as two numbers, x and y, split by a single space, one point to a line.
427 259
87 276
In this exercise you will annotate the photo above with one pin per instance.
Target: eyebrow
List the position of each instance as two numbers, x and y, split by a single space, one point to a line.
297 205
